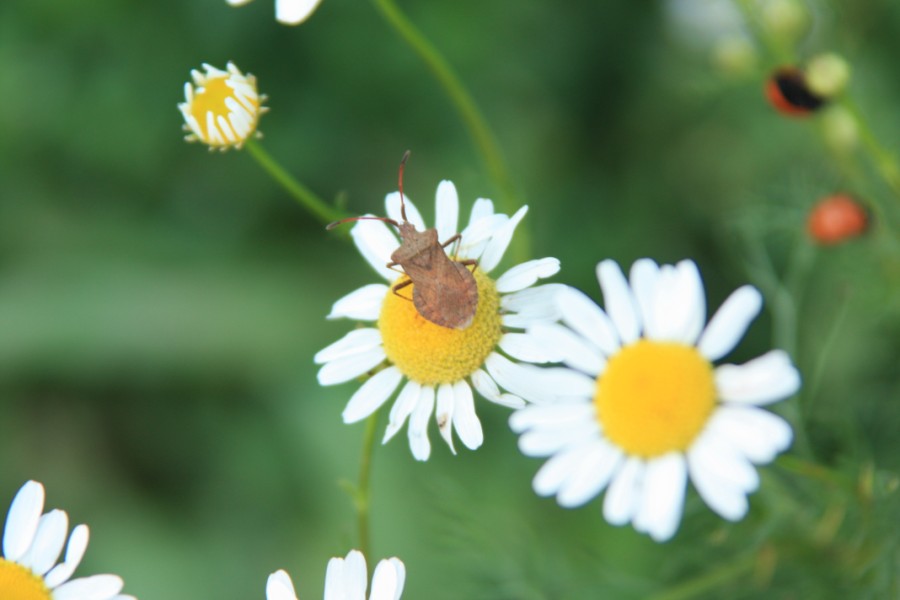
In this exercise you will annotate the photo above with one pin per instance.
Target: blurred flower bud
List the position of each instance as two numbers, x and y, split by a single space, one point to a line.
785 19
735 56
827 75
835 219
840 129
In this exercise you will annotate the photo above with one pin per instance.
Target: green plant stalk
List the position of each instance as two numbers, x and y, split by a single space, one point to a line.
700 586
299 192
363 495
885 162
481 134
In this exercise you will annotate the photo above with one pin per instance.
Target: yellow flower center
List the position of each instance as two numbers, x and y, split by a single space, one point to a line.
19 583
430 354
211 99
655 397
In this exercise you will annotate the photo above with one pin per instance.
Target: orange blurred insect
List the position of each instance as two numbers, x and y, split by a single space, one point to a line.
835 219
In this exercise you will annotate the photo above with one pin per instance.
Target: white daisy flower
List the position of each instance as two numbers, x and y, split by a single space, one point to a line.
223 110
288 12
640 408
440 364
32 544
347 579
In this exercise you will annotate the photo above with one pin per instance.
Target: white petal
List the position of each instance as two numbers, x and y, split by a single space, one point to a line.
643 277
559 343
756 433
662 499
443 413
384 581
75 549
294 12
280 587
535 384
725 499
715 454
402 408
237 2
372 394
22 520
376 243
392 204
355 342
465 421
730 322
48 542
591 475
679 305
96 587
476 236
556 415
346 578
556 471
363 304
527 274
446 210
763 380
531 305
487 387
546 442
526 347
624 494
619 301
581 314
350 367
482 208
500 241
418 425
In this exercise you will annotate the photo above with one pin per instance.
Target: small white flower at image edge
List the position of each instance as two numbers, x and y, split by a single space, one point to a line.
288 12
347 579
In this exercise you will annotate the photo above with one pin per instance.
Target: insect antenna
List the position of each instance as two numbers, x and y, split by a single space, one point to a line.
400 185
334 224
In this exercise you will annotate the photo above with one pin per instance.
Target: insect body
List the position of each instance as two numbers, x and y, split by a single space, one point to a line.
444 289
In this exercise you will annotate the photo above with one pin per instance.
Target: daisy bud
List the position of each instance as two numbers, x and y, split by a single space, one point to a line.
735 56
840 129
221 108
785 19
827 75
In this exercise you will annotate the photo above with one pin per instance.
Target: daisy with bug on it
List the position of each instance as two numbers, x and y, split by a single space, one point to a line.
347 579
440 365
640 409
32 544
288 12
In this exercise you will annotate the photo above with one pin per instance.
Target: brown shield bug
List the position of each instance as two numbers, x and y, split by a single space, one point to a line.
444 290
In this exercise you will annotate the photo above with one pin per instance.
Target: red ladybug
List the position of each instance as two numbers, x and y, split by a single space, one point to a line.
788 93
837 218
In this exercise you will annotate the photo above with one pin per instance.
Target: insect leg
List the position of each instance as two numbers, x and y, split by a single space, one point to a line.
400 286
454 238
469 261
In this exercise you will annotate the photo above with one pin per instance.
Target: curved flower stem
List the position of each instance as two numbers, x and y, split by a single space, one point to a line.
482 136
710 580
885 161
363 496
303 196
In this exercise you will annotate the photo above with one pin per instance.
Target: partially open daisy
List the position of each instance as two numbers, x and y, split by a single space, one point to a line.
223 110
641 409
32 544
438 363
347 579
288 12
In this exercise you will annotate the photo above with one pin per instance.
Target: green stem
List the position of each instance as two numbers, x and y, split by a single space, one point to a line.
363 490
885 161
304 197
482 136
699 586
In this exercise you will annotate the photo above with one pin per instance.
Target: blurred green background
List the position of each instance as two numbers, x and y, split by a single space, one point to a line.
160 305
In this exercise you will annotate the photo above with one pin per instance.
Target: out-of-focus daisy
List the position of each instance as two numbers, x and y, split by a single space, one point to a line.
347 579
440 364
223 110
32 544
289 12
647 409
